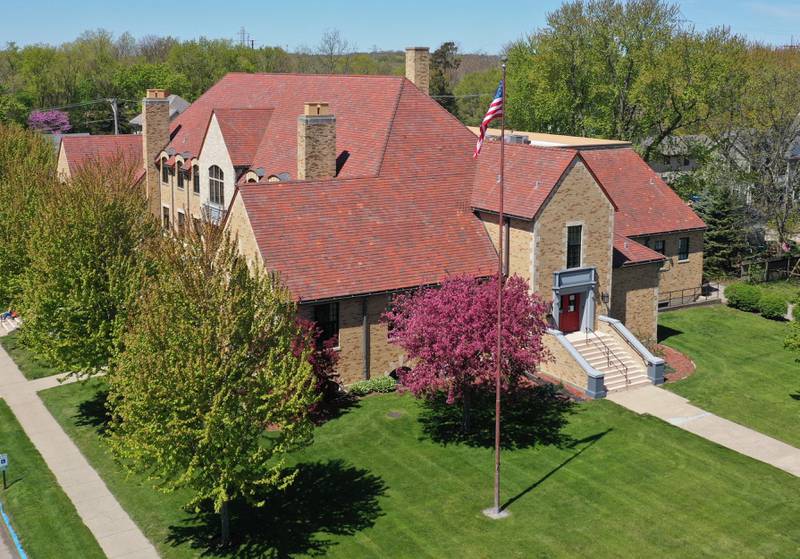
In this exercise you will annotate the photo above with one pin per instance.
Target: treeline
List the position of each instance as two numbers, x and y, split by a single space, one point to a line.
99 66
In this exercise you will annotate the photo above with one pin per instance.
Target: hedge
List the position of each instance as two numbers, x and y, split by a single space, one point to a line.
379 384
772 306
743 296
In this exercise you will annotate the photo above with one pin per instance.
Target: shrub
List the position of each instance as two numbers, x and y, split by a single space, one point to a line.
743 296
380 384
772 306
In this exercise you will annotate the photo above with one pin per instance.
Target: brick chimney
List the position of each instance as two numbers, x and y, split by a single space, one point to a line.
155 137
316 142
418 63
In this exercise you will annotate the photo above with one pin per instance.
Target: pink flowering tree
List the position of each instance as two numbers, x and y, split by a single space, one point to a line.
450 334
49 122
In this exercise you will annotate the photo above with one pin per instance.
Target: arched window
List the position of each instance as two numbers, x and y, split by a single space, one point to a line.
164 171
179 171
216 185
196 179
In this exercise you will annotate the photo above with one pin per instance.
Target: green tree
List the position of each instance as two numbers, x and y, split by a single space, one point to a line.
85 263
473 94
27 176
208 392
725 242
626 70
444 62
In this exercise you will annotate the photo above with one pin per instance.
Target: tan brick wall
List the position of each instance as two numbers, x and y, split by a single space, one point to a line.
418 67
562 366
62 167
384 357
679 274
634 300
238 224
316 147
520 237
577 200
155 136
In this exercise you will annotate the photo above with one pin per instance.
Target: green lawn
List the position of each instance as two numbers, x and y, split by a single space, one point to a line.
743 372
787 289
30 366
382 480
41 514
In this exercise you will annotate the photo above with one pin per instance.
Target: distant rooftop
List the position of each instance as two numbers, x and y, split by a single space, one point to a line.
553 140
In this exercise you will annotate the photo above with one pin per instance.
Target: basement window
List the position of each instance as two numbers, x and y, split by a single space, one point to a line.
683 249
327 318
574 234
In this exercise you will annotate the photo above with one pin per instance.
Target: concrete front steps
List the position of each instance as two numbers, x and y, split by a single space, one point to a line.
595 349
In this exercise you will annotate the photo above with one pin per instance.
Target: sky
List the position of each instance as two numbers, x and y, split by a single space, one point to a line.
476 26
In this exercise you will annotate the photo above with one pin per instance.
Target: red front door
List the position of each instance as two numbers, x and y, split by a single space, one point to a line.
570 320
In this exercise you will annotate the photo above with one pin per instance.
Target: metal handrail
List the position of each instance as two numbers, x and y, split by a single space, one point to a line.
609 353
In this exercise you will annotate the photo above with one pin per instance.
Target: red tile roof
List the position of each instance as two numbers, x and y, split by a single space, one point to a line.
344 237
531 173
364 107
243 131
80 150
407 223
646 204
628 252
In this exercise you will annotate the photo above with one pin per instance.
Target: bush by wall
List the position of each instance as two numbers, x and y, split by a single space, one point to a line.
772 306
743 296
379 384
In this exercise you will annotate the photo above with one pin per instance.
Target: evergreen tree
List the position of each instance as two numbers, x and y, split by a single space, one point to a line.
725 239
444 62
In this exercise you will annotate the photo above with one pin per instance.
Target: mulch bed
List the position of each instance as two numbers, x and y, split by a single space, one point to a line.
678 365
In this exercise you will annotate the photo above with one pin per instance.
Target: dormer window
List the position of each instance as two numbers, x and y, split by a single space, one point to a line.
216 185
196 179
179 171
164 171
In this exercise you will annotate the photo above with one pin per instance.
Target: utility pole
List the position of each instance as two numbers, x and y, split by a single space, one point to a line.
115 110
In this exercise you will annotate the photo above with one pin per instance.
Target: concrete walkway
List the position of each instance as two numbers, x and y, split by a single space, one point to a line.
679 412
113 529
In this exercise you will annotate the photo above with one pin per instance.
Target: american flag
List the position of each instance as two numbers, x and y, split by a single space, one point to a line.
495 111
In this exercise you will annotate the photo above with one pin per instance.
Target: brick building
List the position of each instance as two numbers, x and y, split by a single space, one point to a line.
353 188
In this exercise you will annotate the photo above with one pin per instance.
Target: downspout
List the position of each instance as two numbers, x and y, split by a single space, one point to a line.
365 336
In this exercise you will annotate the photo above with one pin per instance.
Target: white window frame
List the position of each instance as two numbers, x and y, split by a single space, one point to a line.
566 243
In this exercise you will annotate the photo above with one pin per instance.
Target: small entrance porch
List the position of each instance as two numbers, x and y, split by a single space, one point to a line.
574 299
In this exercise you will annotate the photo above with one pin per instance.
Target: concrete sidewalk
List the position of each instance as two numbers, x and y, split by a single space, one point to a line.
679 412
111 526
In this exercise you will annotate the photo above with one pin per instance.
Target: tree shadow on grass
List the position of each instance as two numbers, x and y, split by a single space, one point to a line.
529 417
94 413
665 332
326 498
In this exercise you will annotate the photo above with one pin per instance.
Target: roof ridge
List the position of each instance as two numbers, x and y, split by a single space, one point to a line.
391 126
384 76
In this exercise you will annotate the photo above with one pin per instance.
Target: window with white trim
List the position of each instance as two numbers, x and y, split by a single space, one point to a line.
196 179
216 185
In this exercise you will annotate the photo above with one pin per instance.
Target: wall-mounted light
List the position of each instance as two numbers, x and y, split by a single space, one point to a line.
604 297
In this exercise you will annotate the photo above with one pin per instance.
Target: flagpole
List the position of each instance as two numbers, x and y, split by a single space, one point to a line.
495 511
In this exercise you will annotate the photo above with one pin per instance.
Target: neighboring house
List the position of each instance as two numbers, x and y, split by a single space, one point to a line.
76 150
676 155
177 105
355 188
